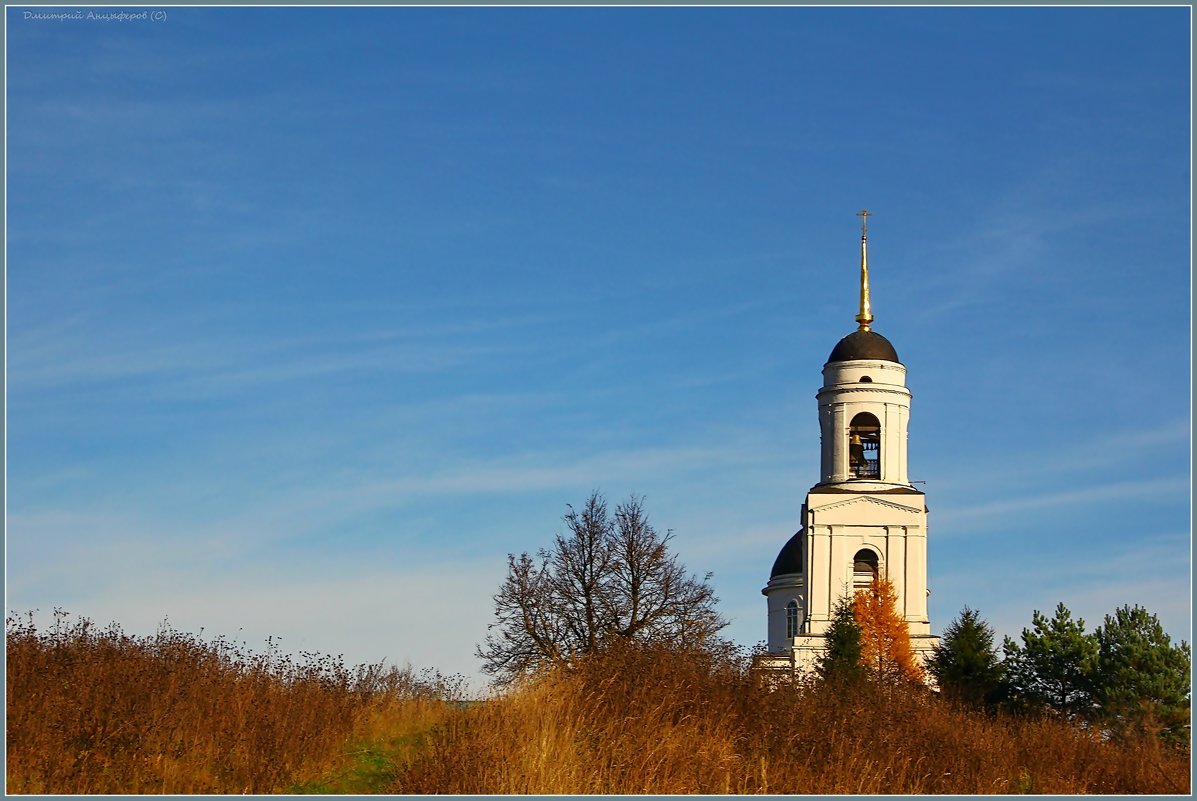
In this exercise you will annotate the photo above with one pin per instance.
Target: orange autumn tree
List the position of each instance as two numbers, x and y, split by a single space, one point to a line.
884 636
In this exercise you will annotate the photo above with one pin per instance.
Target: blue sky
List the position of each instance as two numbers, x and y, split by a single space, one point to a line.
313 315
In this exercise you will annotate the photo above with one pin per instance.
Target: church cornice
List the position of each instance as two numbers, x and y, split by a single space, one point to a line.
871 363
840 389
832 489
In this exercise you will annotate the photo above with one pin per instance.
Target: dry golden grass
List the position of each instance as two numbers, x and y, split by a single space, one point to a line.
94 711
98 711
656 721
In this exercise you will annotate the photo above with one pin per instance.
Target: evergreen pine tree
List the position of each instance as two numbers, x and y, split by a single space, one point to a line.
884 634
840 663
965 663
1054 667
1142 679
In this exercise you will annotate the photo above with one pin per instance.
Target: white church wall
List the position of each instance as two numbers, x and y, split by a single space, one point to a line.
780 591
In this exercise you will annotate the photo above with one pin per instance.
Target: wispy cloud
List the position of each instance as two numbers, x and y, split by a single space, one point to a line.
1009 241
1148 488
222 365
1103 449
1151 570
306 506
1080 462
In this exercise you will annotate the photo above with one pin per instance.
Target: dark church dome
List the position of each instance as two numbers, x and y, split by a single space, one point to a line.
863 345
790 559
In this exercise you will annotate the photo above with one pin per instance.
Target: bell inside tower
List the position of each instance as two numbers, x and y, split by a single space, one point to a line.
864 447
865 568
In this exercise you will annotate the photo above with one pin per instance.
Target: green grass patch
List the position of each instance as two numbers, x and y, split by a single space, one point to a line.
372 766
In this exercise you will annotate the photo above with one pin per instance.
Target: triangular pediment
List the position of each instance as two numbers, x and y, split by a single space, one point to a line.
865 509
866 499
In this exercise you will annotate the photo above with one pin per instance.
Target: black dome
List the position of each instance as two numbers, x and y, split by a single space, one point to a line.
863 345
790 559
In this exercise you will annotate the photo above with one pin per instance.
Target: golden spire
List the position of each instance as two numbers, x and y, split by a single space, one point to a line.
866 315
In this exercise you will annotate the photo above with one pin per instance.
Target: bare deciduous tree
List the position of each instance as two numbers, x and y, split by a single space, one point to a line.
608 577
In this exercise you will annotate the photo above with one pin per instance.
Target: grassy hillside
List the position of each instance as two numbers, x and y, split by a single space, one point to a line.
98 711
94 711
652 721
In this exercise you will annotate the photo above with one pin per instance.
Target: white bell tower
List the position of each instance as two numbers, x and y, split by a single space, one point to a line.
864 516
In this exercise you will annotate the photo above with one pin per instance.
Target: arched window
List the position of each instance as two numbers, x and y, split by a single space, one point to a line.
864 447
864 568
792 618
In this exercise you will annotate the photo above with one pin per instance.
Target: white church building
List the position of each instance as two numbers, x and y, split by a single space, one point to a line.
864 517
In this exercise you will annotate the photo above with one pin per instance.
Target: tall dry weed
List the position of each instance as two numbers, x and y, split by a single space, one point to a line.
656 720
99 711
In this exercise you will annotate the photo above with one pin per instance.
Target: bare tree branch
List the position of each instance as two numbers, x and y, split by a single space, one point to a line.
605 578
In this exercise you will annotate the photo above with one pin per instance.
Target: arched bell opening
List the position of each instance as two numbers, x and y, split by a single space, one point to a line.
864 447
865 568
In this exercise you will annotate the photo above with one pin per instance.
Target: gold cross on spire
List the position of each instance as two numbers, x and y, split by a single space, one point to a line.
866 314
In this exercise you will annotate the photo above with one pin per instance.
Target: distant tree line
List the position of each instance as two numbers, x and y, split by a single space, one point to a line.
1126 677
